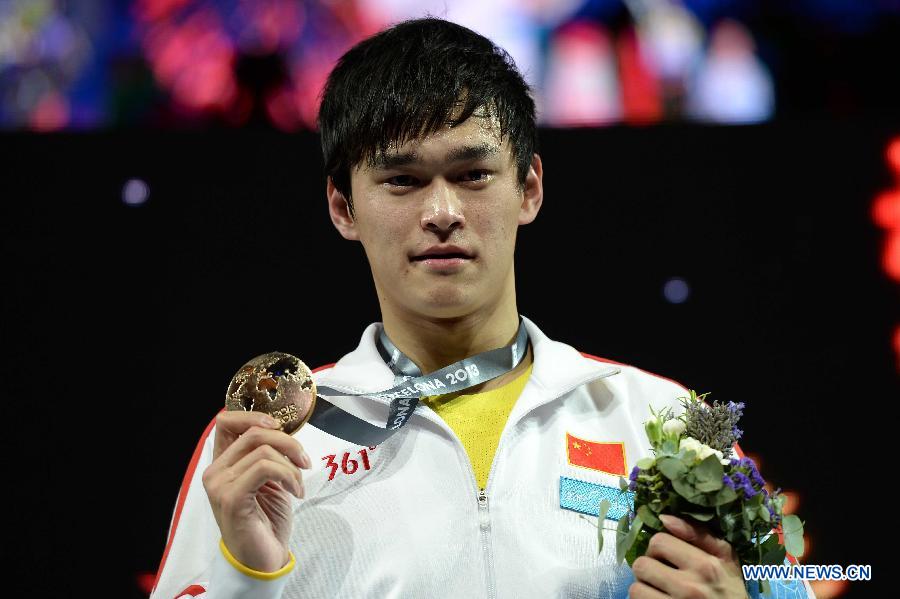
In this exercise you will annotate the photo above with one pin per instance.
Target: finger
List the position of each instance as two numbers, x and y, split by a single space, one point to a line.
263 452
254 437
654 573
673 550
262 472
231 425
697 536
639 590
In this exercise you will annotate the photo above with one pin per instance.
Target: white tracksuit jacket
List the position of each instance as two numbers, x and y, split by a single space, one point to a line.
407 519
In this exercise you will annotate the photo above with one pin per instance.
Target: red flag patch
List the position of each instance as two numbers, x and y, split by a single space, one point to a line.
596 455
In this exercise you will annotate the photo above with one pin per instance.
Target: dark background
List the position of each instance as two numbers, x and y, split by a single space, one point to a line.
123 324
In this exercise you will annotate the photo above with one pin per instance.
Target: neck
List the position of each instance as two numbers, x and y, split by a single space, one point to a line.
433 343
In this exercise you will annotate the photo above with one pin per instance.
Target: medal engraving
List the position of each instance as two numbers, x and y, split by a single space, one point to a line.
276 383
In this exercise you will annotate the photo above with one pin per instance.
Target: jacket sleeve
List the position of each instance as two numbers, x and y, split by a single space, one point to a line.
193 565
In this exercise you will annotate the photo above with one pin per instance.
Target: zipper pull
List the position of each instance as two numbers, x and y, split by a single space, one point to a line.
483 519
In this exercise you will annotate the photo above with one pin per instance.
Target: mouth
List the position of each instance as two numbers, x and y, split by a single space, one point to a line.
442 252
449 256
447 259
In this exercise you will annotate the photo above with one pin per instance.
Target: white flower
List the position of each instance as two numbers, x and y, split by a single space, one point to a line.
673 427
702 451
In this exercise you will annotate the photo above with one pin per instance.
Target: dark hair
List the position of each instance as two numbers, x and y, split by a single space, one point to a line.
407 82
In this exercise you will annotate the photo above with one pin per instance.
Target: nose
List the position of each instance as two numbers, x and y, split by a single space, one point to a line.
442 212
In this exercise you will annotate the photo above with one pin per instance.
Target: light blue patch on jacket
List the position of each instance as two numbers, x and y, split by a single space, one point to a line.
585 497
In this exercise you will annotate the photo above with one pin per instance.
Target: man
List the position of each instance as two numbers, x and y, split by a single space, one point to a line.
429 137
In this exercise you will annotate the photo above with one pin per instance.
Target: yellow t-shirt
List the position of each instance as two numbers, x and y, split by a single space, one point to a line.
478 419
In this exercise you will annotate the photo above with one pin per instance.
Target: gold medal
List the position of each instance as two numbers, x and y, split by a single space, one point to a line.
278 384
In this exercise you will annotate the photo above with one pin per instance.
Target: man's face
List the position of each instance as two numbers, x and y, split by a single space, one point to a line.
438 219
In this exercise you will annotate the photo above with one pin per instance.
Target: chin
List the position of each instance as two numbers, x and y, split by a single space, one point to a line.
445 304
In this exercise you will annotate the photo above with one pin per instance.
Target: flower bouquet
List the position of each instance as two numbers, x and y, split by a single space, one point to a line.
693 475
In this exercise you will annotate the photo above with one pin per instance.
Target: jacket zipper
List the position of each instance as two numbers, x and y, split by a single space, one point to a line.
483 502
484 518
484 524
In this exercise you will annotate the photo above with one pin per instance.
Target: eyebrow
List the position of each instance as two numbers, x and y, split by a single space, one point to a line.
463 153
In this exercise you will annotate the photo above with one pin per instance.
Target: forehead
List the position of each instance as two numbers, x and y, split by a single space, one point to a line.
476 138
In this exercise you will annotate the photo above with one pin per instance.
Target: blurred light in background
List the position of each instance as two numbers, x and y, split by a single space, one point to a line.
177 63
135 192
886 214
897 345
581 85
731 85
676 291
49 62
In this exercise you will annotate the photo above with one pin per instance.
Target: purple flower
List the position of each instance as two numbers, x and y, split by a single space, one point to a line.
736 408
713 425
727 481
632 485
757 479
740 480
754 473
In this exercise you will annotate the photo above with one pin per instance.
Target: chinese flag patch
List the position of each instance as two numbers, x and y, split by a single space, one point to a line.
596 455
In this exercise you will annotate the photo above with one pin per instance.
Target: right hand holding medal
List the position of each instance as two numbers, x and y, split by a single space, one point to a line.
255 469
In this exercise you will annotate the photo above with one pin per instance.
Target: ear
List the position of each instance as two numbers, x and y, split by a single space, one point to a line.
339 210
533 193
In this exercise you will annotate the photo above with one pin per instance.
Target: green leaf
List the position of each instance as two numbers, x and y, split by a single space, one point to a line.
764 588
708 486
729 522
669 447
793 535
774 556
645 463
764 514
649 518
701 516
654 431
689 457
709 470
623 484
684 488
689 492
638 548
671 468
604 509
749 515
724 496
770 543
624 542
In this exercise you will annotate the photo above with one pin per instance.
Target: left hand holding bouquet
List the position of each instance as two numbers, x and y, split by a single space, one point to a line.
687 561
699 514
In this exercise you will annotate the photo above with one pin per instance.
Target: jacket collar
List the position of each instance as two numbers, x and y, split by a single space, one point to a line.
558 367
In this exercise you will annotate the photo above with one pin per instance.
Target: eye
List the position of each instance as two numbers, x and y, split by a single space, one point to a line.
402 181
476 175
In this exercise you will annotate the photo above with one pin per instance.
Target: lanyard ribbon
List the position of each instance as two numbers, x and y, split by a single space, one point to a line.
409 385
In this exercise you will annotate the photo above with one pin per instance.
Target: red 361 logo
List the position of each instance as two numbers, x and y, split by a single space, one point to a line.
348 465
